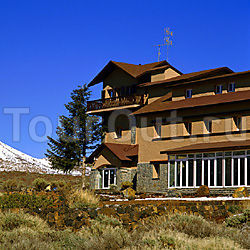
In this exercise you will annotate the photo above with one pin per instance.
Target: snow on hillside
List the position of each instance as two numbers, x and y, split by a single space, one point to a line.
14 160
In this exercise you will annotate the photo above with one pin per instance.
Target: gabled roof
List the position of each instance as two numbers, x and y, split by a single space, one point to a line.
133 70
190 77
122 151
163 103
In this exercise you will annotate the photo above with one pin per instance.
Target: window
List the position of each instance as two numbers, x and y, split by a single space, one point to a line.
112 93
156 171
223 169
231 87
158 129
189 93
188 126
238 122
219 89
118 132
208 125
103 94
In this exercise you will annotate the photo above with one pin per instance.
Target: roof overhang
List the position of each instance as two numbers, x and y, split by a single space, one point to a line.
210 147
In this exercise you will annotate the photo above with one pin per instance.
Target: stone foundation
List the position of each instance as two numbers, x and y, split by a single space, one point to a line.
145 181
132 211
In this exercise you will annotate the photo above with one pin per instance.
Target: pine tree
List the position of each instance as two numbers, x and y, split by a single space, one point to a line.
77 134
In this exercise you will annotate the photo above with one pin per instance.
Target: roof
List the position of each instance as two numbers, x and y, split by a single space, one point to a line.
133 70
163 103
122 151
191 76
210 147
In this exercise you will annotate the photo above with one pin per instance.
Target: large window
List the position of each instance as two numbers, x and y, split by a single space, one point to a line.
221 169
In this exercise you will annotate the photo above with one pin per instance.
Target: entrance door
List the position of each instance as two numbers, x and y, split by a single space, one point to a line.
109 177
105 178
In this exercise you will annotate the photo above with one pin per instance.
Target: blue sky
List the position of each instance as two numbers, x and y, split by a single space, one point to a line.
48 48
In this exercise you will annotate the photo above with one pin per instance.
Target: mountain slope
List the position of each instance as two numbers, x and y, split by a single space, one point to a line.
14 160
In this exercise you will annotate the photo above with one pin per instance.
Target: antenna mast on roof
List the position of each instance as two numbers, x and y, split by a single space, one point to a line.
167 38
167 42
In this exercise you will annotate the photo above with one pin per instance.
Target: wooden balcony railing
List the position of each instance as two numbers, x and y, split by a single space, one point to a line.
115 102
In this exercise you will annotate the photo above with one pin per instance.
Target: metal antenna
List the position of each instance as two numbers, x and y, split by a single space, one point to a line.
167 42
159 50
167 39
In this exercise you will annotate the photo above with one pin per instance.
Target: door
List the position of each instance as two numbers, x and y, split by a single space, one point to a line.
105 178
109 177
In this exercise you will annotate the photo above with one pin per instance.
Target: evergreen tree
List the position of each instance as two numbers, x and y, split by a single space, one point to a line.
77 133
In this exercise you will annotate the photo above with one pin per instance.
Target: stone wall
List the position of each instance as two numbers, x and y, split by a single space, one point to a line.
145 181
131 212
126 175
94 179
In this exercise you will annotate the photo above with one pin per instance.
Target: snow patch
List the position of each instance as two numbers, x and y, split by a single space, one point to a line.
14 160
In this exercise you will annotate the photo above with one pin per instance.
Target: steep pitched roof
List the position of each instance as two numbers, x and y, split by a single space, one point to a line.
133 70
122 151
191 76
163 103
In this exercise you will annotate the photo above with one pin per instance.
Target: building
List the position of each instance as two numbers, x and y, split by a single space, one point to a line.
167 130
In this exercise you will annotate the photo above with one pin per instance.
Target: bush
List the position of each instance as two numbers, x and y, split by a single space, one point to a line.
32 202
82 199
40 184
239 220
234 209
192 225
58 185
10 221
12 185
126 184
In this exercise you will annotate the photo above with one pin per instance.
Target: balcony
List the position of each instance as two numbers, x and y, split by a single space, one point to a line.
115 102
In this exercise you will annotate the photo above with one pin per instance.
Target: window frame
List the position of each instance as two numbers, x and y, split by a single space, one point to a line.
158 129
220 86
209 125
190 91
241 157
118 133
229 89
189 127
238 122
156 171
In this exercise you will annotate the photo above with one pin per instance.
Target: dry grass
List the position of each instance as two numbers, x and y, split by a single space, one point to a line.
23 231
83 198
27 178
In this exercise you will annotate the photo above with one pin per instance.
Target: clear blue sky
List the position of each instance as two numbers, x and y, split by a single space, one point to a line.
48 47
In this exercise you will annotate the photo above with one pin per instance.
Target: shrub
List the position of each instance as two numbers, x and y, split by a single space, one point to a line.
32 202
234 209
82 199
101 235
58 184
106 220
239 220
10 221
113 187
40 184
12 185
126 184
192 225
